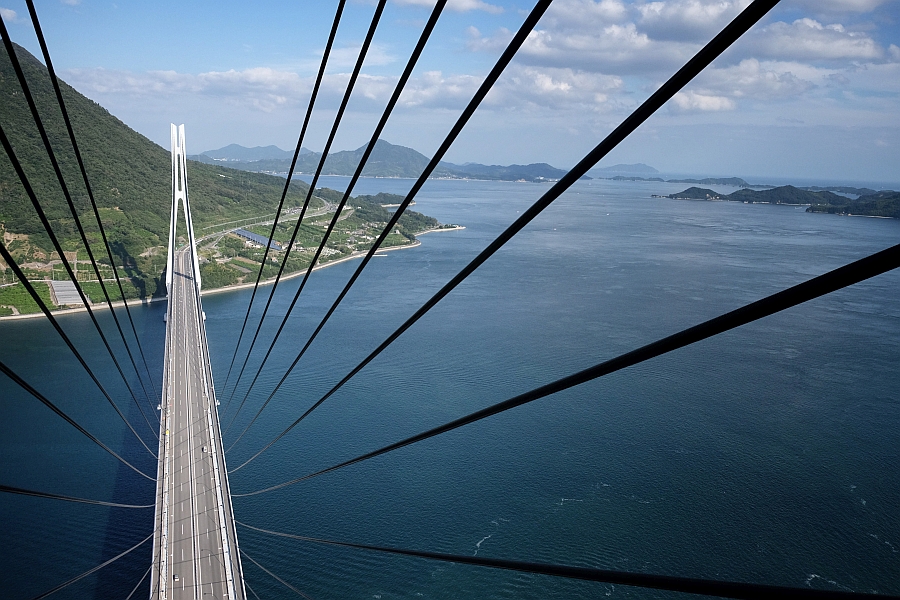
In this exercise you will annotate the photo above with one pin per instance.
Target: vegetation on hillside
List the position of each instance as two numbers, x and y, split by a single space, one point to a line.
877 204
696 193
233 260
786 194
130 178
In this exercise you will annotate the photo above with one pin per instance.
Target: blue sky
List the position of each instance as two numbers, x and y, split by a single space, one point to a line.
812 92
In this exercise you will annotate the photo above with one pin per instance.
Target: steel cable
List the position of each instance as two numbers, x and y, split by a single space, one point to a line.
287 184
46 223
25 492
147 572
379 9
91 571
65 114
687 585
398 89
255 595
11 263
504 60
748 17
855 272
276 577
28 388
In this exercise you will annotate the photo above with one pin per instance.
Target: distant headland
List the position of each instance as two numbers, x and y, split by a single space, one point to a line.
867 202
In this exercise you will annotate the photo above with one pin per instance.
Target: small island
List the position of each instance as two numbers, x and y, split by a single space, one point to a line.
871 204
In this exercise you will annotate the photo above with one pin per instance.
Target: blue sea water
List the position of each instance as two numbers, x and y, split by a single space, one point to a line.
767 454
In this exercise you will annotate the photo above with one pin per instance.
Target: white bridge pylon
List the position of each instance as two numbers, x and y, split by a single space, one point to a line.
180 193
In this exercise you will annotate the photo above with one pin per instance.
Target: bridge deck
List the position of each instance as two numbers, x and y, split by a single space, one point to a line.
195 550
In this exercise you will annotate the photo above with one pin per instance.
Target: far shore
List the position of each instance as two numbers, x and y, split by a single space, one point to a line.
103 305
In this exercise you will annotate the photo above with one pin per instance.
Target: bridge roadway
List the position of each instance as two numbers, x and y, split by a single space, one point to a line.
195 547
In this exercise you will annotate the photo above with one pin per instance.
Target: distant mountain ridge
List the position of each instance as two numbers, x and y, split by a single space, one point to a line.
532 172
387 160
238 153
733 181
622 169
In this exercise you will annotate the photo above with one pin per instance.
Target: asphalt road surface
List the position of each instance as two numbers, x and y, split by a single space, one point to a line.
195 551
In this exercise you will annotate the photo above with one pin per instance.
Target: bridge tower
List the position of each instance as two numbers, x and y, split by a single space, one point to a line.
180 195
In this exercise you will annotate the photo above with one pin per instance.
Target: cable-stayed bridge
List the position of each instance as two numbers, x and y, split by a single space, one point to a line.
195 542
195 550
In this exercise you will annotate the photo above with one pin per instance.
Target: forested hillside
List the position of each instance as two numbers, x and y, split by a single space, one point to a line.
129 174
131 181
875 204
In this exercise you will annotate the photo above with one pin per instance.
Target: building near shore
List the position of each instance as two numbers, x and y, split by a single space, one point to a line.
258 239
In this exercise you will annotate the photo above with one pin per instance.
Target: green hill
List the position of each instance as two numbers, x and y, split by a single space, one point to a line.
786 194
129 174
131 180
878 204
534 172
696 193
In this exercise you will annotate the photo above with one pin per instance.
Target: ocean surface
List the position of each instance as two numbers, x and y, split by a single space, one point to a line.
768 454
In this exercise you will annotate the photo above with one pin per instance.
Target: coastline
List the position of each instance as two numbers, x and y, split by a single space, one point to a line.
439 229
230 288
270 281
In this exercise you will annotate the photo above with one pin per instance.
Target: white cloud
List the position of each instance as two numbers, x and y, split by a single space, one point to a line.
879 81
696 20
808 39
611 37
268 90
620 49
71 2
457 5
842 6
581 14
264 89
539 88
588 64
346 57
495 43
762 81
261 88
8 14
435 90
692 101
655 38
